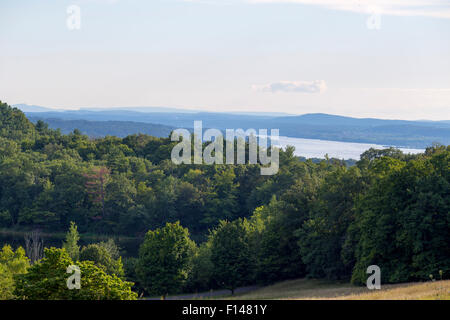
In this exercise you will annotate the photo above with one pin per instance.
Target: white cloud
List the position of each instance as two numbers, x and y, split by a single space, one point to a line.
316 86
426 8
430 8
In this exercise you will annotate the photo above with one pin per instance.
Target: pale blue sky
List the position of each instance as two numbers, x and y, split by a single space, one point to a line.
268 56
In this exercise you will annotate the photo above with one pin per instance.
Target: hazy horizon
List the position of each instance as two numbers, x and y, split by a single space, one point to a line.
196 110
378 59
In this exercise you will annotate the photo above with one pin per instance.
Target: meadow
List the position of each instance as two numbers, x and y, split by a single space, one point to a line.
318 289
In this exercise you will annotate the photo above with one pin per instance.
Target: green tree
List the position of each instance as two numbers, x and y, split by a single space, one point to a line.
221 202
12 263
71 243
322 235
279 254
231 255
47 280
200 278
165 259
101 257
111 246
14 124
402 224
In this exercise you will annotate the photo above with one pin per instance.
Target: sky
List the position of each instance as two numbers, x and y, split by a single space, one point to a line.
388 59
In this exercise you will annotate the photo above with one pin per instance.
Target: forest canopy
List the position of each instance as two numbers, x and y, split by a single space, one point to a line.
322 219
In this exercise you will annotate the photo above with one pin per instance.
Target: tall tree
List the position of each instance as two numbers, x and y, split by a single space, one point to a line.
71 243
164 259
322 235
231 255
402 224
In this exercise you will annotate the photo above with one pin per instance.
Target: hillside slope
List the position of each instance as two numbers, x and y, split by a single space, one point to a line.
97 129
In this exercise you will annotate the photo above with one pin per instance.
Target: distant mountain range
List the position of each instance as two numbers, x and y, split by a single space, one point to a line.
159 121
34 108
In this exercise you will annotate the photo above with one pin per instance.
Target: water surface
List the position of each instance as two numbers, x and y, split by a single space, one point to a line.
314 148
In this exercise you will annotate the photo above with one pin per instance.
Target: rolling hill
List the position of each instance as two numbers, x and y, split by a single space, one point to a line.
97 129
399 133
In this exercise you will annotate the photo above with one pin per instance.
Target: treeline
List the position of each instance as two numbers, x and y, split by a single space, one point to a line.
93 273
104 128
123 186
318 219
385 211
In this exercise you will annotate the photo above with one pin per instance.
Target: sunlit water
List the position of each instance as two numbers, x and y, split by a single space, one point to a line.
313 148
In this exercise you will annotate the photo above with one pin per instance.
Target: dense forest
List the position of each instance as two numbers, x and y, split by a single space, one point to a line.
98 129
217 226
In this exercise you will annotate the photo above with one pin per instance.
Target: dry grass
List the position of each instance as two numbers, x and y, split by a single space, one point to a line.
438 290
321 289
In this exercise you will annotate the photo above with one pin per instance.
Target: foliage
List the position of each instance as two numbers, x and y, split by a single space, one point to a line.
164 259
322 235
201 276
231 255
47 280
71 244
11 263
317 218
112 248
403 222
102 258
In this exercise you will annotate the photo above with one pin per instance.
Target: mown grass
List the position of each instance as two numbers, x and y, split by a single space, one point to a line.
326 290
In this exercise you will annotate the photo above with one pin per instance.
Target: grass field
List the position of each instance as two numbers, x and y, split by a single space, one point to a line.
321 289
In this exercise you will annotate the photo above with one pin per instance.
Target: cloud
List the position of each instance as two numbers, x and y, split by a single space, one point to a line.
430 8
99 1
425 8
316 86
